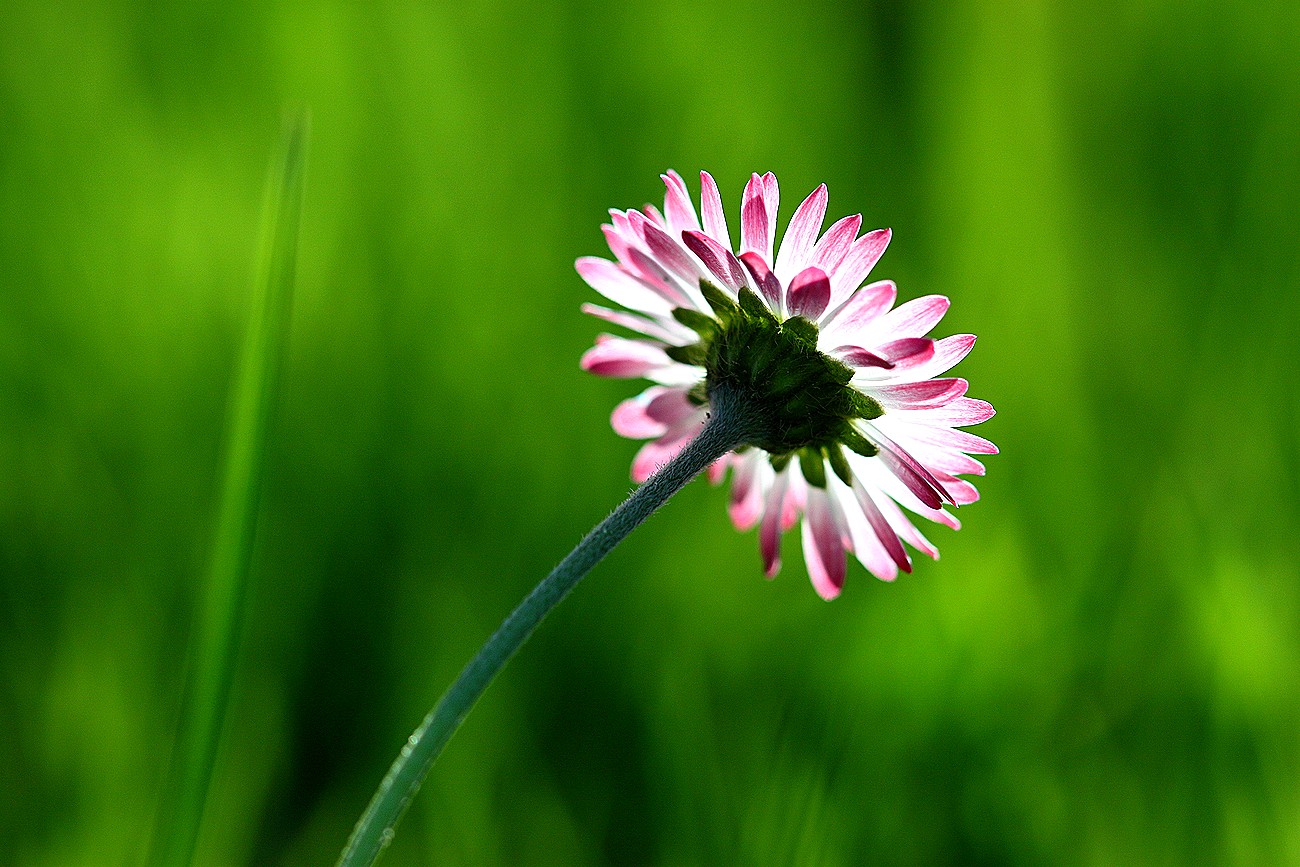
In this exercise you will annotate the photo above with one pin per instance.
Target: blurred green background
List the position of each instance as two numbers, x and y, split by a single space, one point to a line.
1101 670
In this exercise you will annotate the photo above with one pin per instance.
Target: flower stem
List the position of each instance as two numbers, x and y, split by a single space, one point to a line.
727 428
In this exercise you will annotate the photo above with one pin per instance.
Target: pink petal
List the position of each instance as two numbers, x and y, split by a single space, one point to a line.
834 245
938 460
909 351
861 258
962 492
654 455
677 204
863 308
893 357
800 235
880 527
919 480
753 220
746 493
670 254
621 358
676 334
810 292
658 279
856 356
919 395
947 438
717 470
630 418
824 543
653 412
913 319
719 260
621 287
905 529
947 352
652 214
772 197
769 533
715 221
618 244
961 412
764 279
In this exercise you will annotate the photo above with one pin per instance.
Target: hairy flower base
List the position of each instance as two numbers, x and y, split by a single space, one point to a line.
800 399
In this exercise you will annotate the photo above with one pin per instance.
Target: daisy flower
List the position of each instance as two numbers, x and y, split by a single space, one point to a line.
853 426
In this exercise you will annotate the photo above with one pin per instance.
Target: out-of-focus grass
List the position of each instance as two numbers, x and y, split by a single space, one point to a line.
1097 671
221 614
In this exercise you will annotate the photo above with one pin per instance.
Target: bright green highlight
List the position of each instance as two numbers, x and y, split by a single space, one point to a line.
221 616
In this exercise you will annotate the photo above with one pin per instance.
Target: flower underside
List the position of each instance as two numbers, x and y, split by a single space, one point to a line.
800 398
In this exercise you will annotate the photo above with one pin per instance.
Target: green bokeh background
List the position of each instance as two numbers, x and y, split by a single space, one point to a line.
1101 670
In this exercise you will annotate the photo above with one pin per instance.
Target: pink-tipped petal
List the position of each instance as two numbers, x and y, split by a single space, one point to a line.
717 471
772 198
947 352
632 418
801 234
671 255
856 356
912 319
721 262
677 204
857 314
668 331
824 543
858 262
961 412
834 245
654 455
948 438
919 395
746 503
656 277
810 292
768 286
621 358
960 491
769 532
905 529
715 220
621 287
920 481
753 220
880 527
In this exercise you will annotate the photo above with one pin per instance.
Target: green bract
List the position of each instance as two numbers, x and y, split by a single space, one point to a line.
800 397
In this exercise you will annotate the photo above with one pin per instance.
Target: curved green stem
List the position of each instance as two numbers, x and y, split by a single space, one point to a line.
726 429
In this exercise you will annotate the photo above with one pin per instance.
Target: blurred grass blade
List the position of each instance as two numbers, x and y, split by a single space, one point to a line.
219 620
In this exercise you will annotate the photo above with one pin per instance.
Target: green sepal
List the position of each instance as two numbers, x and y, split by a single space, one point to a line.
864 406
810 463
693 354
839 371
840 464
802 330
754 306
858 443
780 462
723 307
701 323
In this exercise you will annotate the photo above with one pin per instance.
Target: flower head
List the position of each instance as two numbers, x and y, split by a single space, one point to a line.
850 424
